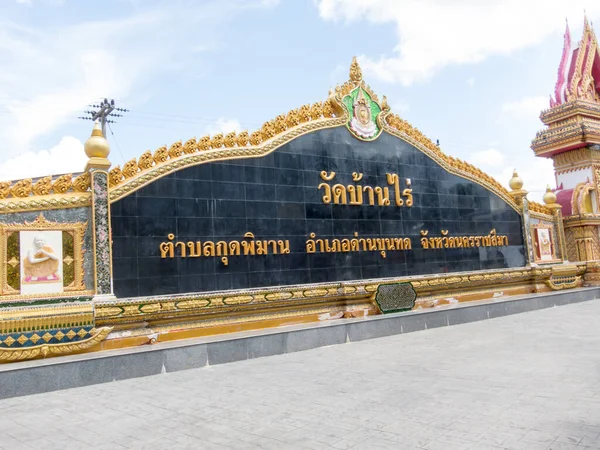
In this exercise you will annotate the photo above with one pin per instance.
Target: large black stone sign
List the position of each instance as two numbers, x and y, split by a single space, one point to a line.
276 198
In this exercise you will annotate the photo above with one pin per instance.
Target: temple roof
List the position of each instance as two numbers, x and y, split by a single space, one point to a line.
573 118
579 69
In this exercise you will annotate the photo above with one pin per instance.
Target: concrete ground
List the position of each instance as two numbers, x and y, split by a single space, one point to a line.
529 381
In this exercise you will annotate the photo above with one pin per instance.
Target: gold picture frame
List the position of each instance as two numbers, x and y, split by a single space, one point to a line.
537 231
75 232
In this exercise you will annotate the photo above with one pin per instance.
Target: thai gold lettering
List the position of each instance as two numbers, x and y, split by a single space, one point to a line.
339 194
327 195
446 241
181 246
357 195
371 192
166 248
222 249
381 245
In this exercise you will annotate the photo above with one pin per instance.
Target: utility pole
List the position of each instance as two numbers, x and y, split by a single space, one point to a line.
104 113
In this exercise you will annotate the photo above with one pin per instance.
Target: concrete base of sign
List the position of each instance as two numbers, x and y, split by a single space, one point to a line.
31 377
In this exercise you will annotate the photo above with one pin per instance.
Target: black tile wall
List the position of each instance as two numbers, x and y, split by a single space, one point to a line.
276 197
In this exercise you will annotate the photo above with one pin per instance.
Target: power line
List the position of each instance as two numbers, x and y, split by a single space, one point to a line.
104 113
115 139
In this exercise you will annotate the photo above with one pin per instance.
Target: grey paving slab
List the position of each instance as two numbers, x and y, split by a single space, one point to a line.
525 381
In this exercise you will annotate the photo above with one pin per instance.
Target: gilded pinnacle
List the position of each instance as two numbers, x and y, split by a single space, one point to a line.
97 150
549 196
97 145
355 72
515 183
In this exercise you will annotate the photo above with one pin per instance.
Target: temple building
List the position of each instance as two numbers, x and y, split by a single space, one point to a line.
572 139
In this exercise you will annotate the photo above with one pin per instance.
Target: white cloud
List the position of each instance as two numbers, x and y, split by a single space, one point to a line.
489 158
471 81
224 126
437 33
66 157
56 71
526 107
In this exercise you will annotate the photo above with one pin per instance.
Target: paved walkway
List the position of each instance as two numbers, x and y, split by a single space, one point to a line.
529 381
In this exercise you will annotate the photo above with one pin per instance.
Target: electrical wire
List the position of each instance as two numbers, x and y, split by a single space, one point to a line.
115 139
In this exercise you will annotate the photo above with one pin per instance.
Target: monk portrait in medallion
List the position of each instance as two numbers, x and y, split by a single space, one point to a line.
362 122
41 263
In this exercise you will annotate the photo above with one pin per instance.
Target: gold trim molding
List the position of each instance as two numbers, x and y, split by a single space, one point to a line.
45 202
205 305
45 193
45 350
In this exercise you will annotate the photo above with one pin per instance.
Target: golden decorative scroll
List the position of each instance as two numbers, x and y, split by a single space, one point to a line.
45 350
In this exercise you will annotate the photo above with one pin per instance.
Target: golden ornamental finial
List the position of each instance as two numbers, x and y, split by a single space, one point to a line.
96 145
355 72
97 149
549 196
515 182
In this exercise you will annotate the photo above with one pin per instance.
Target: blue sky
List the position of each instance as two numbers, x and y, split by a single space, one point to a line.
472 74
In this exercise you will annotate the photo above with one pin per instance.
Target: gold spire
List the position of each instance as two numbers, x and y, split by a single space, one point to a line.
515 183
355 72
550 199
517 192
549 196
97 149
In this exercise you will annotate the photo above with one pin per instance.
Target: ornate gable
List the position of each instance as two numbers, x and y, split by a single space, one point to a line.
573 118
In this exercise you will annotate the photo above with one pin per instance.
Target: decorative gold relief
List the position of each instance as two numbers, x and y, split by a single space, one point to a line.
42 186
560 283
130 168
73 235
62 184
161 155
82 183
217 141
175 150
230 140
115 176
355 71
60 201
203 143
145 161
243 139
21 188
44 350
4 189
24 195
189 147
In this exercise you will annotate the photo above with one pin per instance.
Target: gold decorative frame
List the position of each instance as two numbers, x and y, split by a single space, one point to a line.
550 228
77 231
